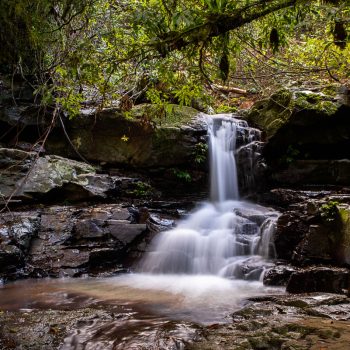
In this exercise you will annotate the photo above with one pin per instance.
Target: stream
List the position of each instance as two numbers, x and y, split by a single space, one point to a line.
195 274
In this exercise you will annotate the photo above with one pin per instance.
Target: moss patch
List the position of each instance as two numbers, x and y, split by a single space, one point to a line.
318 103
170 115
345 219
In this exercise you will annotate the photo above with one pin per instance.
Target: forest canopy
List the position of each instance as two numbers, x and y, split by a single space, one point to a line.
124 51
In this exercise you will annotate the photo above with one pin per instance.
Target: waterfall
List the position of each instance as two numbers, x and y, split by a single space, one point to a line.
222 144
225 237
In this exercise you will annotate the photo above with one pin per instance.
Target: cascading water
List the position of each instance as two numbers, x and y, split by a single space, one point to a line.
224 237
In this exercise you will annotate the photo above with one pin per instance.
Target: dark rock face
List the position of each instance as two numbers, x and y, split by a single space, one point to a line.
250 167
308 137
291 228
112 139
319 279
314 230
285 198
323 279
68 241
315 172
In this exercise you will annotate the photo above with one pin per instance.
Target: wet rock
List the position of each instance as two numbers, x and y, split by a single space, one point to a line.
250 166
320 243
120 214
337 311
67 241
251 269
255 214
89 229
124 231
157 224
16 233
284 197
139 215
66 328
282 322
278 275
319 279
291 228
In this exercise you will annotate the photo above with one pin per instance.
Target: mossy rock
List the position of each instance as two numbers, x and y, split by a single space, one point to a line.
271 114
296 108
146 136
306 133
319 104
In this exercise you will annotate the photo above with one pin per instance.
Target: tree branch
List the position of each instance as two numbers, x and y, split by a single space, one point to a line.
217 24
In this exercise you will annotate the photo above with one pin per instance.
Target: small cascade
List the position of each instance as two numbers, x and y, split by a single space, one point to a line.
224 237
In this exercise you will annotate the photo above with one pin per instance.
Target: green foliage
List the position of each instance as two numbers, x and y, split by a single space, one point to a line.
141 190
187 93
169 51
182 175
200 153
330 211
226 109
291 154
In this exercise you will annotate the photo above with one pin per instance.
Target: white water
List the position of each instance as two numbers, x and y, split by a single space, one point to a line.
222 143
225 237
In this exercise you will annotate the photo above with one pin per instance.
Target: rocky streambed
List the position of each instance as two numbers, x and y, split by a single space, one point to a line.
91 241
76 321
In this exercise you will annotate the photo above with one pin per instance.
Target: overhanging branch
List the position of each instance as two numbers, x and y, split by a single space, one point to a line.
217 24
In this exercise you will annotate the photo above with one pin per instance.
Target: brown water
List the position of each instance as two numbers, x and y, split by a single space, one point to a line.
196 298
145 309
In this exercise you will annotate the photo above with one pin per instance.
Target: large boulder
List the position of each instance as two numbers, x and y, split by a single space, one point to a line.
308 137
25 175
145 137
